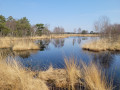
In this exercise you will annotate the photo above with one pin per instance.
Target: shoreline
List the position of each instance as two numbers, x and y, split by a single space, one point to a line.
102 45
51 36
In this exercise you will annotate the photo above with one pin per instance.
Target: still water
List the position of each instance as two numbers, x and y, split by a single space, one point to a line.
54 51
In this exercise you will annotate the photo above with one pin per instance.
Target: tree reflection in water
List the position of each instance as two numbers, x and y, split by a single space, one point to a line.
84 38
25 54
79 40
74 40
104 59
58 43
43 44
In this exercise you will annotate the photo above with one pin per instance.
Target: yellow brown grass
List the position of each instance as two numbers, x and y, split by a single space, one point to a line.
72 71
94 79
88 76
25 45
47 36
8 42
5 44
102 45
14 77
55 76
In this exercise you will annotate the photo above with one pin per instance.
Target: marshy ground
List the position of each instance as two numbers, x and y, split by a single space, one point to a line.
13 76
74 76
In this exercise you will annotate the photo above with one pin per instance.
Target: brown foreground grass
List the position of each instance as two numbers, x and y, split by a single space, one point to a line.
13 76
103 45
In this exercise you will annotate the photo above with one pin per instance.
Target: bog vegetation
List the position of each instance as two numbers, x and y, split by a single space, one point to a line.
14 76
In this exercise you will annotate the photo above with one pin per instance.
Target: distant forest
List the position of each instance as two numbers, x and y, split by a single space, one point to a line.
22 27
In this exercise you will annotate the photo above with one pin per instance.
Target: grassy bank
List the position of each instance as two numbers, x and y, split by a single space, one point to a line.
27 43
13 76
103 45
51 36
22 44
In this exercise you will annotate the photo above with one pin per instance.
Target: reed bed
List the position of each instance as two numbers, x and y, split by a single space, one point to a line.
103 45
47 36
25 45
94 79
88 77
5 44
14 76
19 43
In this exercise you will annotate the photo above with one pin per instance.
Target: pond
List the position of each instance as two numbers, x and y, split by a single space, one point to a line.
54 51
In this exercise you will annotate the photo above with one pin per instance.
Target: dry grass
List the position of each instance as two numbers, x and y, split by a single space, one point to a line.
88 76
5 44
103 45
94 79
55 36
73 72
46 36
14 77
8 42
54 76
25 45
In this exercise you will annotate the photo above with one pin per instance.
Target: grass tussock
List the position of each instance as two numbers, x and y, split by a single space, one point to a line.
14 77
53 76
103 45
25 45
73 72
89 76
94 79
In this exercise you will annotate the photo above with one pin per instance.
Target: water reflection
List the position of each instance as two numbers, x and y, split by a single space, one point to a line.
58 43
25 54
84 38
79 40
43 44
104 59
74 40
41 59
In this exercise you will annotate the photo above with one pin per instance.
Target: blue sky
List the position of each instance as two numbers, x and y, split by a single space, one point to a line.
69 14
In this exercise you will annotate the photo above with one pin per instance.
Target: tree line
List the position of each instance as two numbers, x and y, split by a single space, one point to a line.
106 29
21 27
